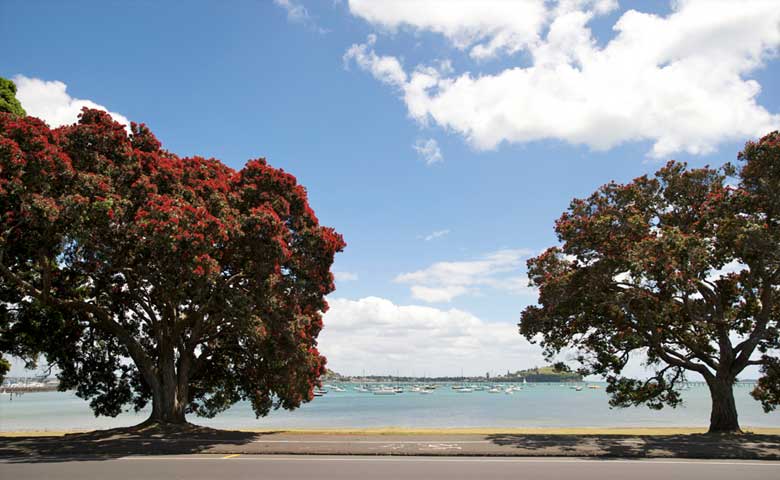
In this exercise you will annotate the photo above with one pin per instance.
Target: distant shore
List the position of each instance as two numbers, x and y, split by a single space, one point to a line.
24 389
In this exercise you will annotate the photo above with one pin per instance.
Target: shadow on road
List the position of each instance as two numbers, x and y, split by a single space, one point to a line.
743 446
108 444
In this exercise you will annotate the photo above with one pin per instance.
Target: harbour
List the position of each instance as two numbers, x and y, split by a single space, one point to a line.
410 405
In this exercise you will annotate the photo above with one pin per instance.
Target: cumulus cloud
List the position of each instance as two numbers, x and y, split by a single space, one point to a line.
484 27
429 151
444 281
49 101
385 69
381 337
680 80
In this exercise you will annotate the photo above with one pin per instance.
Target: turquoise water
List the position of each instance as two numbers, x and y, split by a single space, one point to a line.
537 405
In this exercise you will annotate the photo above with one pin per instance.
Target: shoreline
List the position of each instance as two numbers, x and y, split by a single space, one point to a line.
400 431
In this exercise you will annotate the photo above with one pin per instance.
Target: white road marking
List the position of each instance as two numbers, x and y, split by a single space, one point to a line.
444 446
393 446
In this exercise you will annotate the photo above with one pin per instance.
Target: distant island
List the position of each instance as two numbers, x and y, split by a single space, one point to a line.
543 374
546 374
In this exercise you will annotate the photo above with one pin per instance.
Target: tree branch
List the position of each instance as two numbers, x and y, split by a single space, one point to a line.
746 348
100 317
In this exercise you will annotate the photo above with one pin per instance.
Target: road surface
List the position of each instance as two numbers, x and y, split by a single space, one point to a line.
273 467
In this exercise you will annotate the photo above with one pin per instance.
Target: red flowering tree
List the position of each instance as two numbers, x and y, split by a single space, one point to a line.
147 277
683 267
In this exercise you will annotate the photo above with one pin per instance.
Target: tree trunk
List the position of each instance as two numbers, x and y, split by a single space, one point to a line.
168 399
723 418
166 407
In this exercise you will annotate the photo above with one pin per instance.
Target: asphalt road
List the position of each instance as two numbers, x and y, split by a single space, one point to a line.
271 467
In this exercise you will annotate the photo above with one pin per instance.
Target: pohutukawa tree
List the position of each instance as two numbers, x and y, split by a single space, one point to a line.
9 104
147 277
682 267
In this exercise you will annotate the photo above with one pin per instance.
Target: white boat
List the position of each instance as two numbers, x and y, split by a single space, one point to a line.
464 390
579 389
384 391
495 390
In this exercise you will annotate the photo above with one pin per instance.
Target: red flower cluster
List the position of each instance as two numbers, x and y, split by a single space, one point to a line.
236 259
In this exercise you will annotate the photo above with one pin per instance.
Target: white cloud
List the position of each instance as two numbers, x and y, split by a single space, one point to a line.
429 151
381 337
49 101
485 26
734 266
680 81
435 235
516 285
297 13
345 276
385 69
438 294
444 281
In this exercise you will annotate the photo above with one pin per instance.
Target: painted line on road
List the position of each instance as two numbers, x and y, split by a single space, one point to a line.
349 458
234 455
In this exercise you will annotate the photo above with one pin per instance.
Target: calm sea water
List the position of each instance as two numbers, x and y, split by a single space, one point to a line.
537 405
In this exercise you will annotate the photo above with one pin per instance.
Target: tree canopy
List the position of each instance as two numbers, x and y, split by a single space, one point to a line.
8 101
144 276
683 267
9 104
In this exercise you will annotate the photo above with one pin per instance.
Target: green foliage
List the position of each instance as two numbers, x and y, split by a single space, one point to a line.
552 373
767 389
5 366
8 101
676 266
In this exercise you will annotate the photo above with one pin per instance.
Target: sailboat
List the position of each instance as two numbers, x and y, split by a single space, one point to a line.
384 390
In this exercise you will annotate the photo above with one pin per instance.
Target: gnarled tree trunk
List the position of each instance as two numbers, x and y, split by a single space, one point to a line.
723 418
166 406
169 391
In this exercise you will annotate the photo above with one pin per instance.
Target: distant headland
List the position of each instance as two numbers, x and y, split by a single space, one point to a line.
545 374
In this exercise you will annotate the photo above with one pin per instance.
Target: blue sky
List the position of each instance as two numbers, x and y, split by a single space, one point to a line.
522 117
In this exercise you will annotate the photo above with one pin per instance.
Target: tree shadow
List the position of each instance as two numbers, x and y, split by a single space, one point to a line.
740 446
113 443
